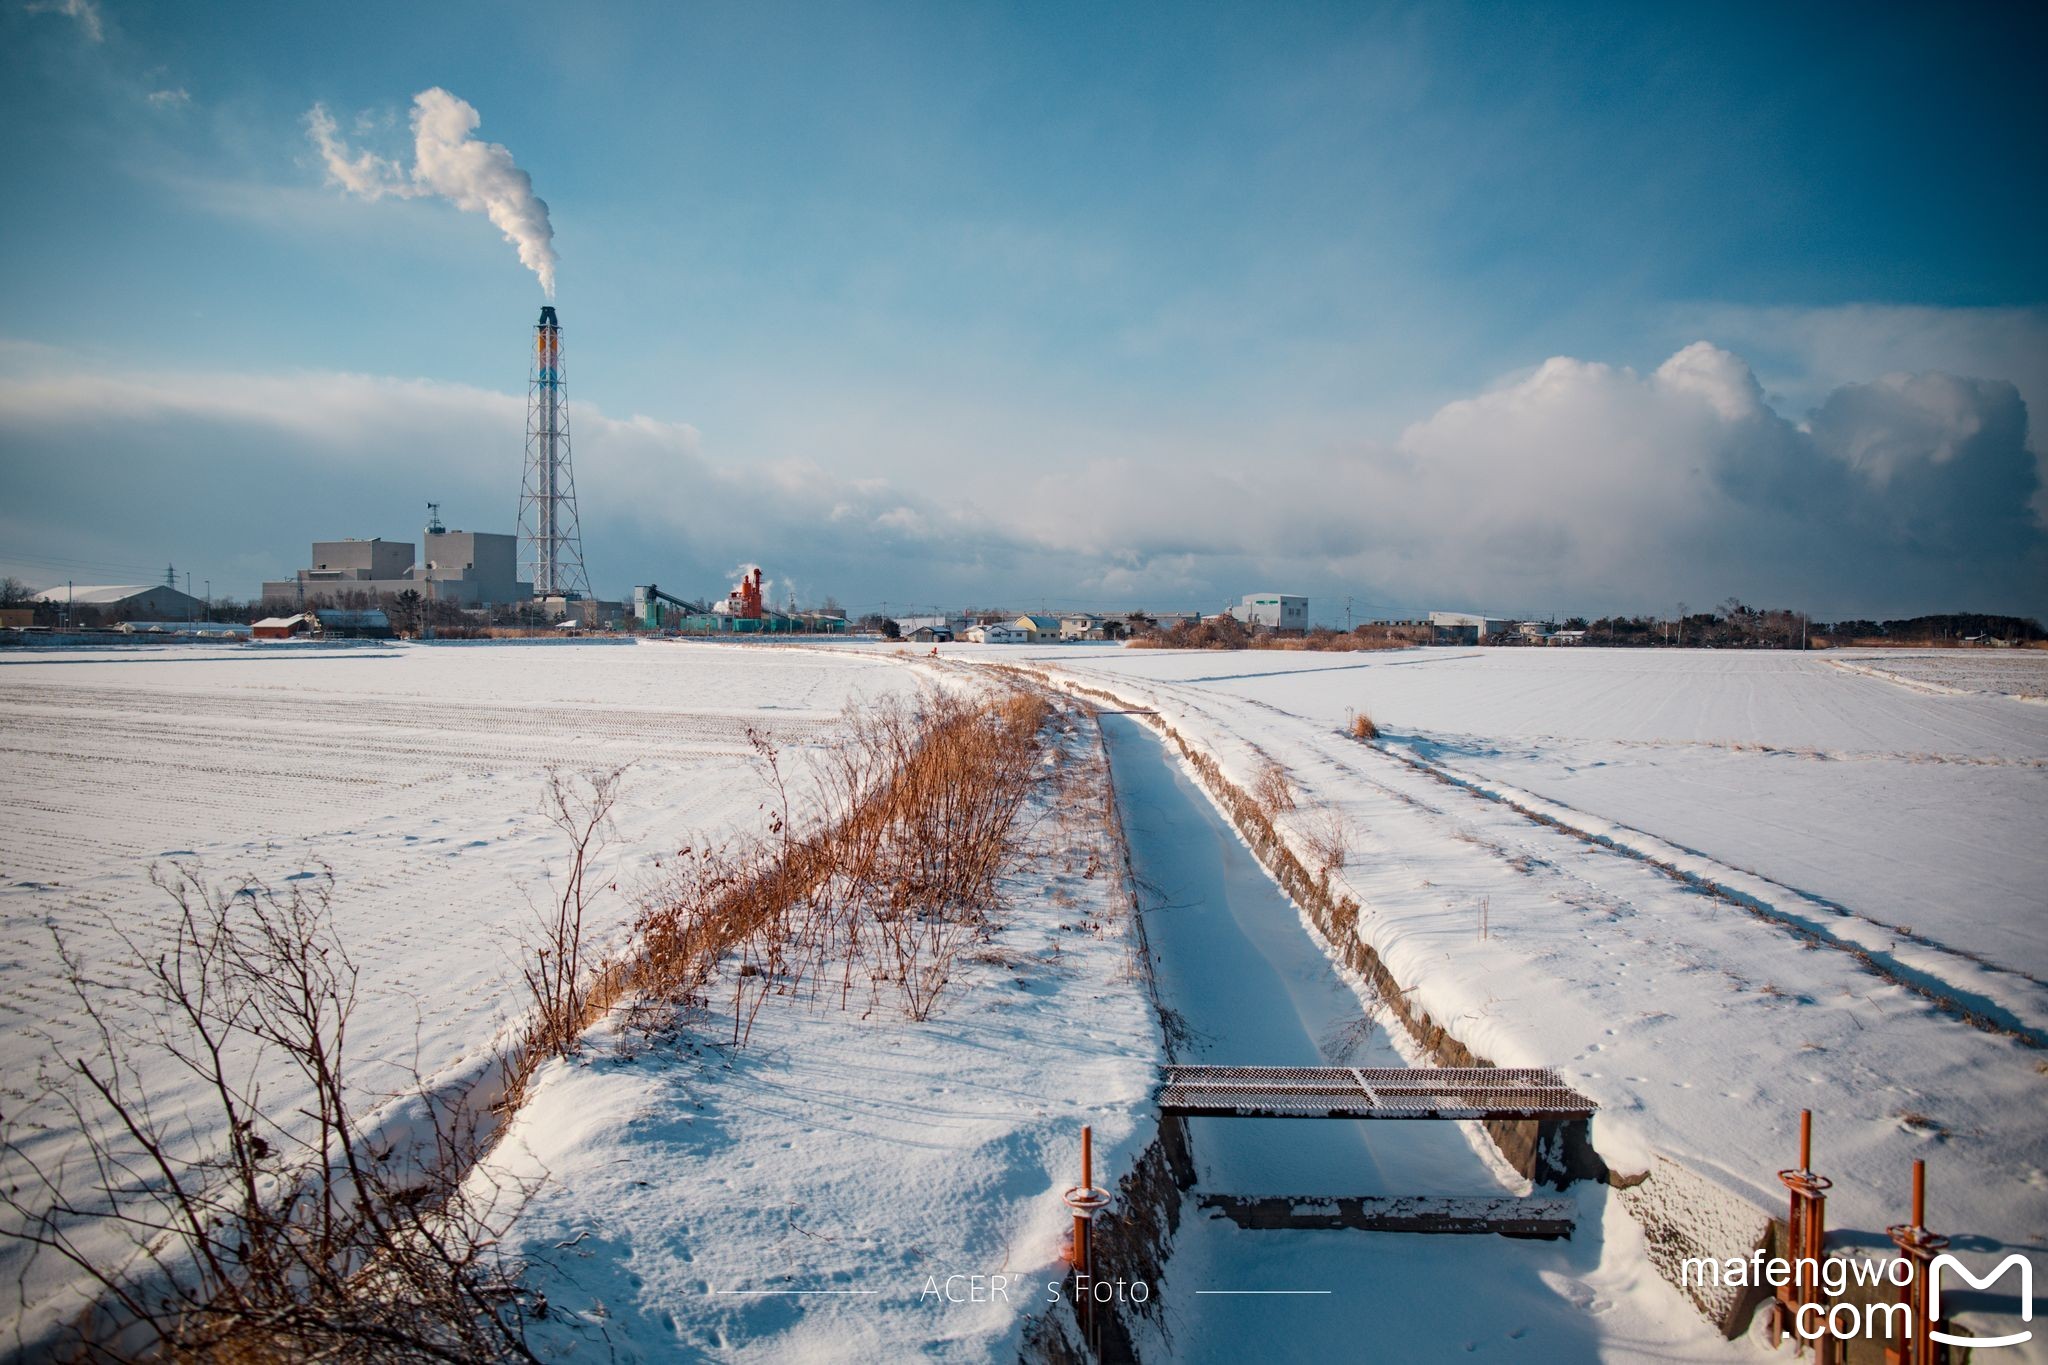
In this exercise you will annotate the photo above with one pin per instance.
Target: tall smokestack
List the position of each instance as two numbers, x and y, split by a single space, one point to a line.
550 537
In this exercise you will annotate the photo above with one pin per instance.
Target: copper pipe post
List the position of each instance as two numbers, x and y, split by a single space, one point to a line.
1805 1240
1084 1199
1081 1218
1920 1247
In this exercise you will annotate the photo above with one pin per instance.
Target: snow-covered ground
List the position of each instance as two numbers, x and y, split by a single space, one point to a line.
413 772
851 1185
1535 845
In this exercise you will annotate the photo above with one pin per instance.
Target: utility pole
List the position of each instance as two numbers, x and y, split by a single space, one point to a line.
1347 615
209 599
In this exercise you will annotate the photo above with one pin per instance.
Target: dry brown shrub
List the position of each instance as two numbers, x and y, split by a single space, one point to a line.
883 890
267 1223
1363 726
1272 789
1328 837
568 990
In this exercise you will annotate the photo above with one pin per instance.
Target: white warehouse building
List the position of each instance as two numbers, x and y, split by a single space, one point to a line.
1278 610
1466 627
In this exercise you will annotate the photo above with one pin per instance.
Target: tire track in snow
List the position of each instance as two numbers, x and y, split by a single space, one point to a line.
1945 993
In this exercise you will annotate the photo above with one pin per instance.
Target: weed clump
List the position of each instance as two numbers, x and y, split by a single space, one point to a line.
1273 789
881 893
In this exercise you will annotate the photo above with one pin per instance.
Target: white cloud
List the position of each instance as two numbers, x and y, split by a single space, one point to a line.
177 97
1575 487
272 461
1804 354
1586 486
86 12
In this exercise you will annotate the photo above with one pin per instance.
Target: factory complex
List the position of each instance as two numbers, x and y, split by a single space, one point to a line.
458 583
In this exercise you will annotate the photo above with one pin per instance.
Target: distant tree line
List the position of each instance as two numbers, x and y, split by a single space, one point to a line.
1227 632
1736 626
1952 628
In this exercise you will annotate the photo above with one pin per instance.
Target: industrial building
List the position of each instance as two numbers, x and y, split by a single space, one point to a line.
1274 610
1465 628
128 601
353 625
375 565
743 612
471 569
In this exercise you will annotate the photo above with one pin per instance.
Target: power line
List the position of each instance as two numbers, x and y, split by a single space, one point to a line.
68 564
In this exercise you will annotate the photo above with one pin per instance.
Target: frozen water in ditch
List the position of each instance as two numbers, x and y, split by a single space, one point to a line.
1255 988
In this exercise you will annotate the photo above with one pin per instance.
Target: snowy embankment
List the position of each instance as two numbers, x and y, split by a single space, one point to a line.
413 773
851 1184
1853 810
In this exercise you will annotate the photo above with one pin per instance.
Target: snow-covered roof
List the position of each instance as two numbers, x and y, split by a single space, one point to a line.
275 622
100 595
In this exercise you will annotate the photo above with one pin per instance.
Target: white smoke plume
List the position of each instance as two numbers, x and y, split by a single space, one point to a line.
477 177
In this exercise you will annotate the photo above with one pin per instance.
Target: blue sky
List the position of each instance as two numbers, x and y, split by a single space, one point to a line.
1090 304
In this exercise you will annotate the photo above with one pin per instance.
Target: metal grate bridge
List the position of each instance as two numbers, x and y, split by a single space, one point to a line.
1349 1092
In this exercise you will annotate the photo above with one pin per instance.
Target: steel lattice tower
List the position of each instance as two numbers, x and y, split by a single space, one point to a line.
550 538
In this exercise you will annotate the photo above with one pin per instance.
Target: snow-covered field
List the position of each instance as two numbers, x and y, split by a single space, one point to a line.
1536 843
413 773
2002 673
1711 888
1916 810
